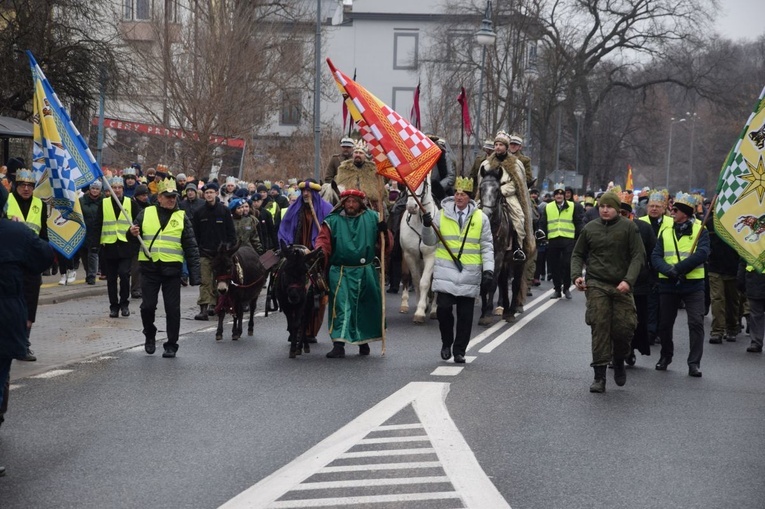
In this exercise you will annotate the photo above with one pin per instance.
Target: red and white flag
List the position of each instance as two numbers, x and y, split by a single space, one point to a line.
400 151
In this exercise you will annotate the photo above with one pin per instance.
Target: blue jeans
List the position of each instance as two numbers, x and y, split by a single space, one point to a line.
5 373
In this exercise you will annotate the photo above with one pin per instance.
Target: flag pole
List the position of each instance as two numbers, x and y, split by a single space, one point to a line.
704 222
124 213
381 189
462 141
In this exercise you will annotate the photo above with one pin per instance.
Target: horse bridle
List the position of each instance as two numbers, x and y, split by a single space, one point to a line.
425 192
230 279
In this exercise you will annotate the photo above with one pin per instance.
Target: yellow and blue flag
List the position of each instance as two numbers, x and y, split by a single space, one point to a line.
62 163
739 212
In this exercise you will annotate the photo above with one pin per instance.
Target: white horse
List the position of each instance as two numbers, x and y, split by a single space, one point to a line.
418 257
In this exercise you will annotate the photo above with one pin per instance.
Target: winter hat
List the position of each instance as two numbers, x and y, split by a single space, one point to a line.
96 184
210 185
235 203
261 188
611 199
180 176
192 186
140 190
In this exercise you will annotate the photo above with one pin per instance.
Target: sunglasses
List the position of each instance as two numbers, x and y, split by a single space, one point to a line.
675 209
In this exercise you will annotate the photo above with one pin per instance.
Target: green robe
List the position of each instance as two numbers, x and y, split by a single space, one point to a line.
355 301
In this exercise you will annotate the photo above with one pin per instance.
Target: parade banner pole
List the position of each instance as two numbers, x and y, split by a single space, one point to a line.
704 222
124 213
382 260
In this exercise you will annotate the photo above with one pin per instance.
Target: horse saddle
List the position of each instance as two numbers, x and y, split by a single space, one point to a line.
269 259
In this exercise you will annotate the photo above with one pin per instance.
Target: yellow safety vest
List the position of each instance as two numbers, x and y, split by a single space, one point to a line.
167 246
666 222
34 217
683 249
114 228
560 223
273 208
450 230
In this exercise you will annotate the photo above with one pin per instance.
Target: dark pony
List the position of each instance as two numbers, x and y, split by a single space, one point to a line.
299 286
240 276
496 209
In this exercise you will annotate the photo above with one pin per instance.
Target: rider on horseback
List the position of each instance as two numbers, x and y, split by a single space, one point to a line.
513 186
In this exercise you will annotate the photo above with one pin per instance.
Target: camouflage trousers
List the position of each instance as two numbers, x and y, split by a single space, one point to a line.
613 318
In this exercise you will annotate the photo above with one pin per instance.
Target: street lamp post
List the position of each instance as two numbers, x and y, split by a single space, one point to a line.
317 97
484 37
531 74
561 97
692 117
672 122
578 114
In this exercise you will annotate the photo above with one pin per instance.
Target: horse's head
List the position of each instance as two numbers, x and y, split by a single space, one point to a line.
222 265
294 272
424 193
490 190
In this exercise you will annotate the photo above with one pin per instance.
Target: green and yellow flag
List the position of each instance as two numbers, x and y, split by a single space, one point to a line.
740 208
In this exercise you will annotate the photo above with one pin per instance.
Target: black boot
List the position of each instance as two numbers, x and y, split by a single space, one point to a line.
150 345
620 374
170 349
364 349
663 363
202 313
338 351
599 384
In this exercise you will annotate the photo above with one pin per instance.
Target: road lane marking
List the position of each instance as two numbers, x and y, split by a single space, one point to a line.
394 440
447 371
14 386
516 327
470 358
52 373
461 470
502 323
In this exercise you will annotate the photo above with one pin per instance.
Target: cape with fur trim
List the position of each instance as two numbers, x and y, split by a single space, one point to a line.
364 179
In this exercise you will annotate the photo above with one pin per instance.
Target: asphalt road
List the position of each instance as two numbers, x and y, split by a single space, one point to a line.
132 430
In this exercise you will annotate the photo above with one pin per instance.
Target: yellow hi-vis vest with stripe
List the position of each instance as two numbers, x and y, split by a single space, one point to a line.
683 248
114 228
34 217
450 230
560 223
167 245
666 222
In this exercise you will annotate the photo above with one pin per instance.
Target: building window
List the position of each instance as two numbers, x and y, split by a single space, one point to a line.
291 107
403 98
459 47
138 10
405 47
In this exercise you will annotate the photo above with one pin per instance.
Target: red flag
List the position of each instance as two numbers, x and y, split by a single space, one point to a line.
414 114
463 100
400 151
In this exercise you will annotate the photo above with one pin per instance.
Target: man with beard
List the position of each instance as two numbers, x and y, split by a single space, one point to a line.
349 239
346 152
169 237
561 222
116 251
361 174
301 225
30 210
213 227
513 187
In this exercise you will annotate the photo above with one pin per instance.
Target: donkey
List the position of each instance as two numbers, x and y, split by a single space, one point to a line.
419 258
240 276
299 286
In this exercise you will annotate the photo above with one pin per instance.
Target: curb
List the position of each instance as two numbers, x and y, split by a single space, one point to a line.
57 298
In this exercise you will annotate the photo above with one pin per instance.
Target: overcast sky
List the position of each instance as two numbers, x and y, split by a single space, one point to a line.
741 19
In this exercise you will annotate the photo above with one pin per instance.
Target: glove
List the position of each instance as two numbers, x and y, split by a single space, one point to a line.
382 227
487 279
673 275
427 220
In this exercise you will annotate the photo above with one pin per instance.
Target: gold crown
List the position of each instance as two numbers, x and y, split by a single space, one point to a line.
659 196
25 175
464 184
167 186
686 199
361 146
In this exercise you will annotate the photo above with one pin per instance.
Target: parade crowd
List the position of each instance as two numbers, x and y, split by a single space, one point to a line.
637 256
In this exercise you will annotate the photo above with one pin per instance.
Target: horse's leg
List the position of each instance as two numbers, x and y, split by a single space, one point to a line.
236 330
219 330
426 296
422 291
499 274
504 293
291 319
518 291
406 279
251 324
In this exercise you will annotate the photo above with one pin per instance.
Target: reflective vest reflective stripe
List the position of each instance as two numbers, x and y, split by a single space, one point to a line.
750 268
167 246
113 227
683 249
34 217
560 223
272 208
450 230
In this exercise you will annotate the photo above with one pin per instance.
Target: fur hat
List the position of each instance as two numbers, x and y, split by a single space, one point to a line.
502 137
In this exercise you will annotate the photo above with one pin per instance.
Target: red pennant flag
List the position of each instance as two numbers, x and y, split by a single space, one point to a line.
414 114
463 100
400 151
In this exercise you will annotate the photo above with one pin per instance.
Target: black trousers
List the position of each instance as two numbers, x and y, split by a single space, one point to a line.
465 306
694 309
152 280
118 268
559 252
